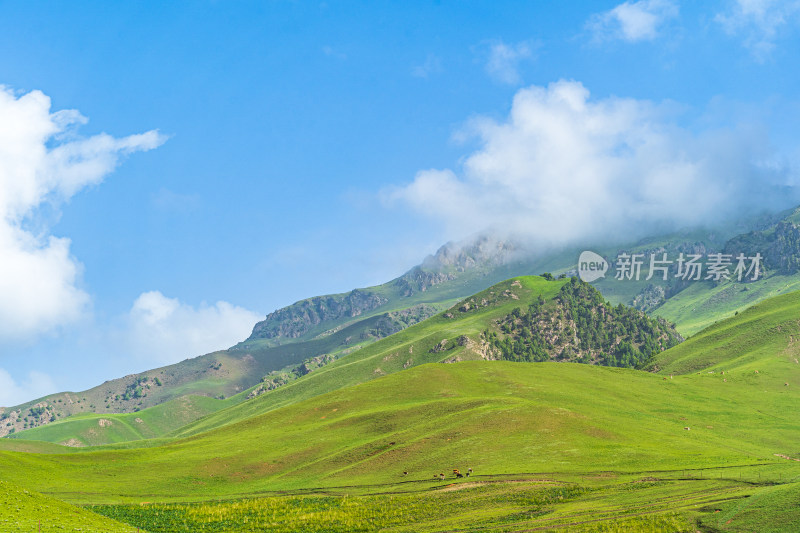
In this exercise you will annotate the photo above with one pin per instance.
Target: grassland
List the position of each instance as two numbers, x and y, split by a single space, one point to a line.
768 510
760 344
99 429
613 437
552 445
407 348
702 304
477 506
25 511
226 373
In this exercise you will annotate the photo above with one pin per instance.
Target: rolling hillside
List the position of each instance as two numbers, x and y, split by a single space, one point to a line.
22 510
525 318
564 444
496 417
96 429
761 342
327 327
460 334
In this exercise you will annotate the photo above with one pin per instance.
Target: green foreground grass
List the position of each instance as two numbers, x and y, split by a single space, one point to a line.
718 501
771 509
22 510
468 506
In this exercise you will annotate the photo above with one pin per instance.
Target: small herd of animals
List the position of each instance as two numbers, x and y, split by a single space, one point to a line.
456 472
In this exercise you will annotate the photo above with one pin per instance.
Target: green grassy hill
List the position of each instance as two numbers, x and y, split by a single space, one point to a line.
550 444
499 418
153 422
769 510
368 363
456 335
413 346
763 338
314 331
599 431
23 511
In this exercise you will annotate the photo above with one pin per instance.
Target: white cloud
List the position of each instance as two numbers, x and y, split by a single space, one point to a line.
36 385
633 21
44 162
758 22
504 59
564 168
163 330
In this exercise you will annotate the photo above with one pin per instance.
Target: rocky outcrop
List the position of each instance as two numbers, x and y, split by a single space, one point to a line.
778 245
444 266
649 298
483 251
420 280
390 323
297 319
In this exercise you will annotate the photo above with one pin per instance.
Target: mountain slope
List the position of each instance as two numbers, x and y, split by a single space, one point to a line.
496 417
763 338
428 282
694 305
97 429
331 326
640 436
412 346
23 511
457 335
565 320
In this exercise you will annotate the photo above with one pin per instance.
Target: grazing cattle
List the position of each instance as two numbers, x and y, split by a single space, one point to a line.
441 477
665 379
785 384
467 474
405 472
459 474
756 371
470 470
687 429
725 380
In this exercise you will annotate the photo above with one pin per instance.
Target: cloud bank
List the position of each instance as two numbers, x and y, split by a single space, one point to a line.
163 330
44 162
633 21
564 168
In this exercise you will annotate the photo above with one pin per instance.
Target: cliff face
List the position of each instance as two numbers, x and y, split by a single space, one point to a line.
295 320
445 265
778 245
481 252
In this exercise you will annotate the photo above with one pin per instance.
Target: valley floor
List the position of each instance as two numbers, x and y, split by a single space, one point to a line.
707 500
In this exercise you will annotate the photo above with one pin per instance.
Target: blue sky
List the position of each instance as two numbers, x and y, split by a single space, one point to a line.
288 149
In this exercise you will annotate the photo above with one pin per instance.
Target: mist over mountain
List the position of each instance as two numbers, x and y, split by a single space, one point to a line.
565 168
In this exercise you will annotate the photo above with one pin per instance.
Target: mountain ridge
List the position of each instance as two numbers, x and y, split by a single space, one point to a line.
303 331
